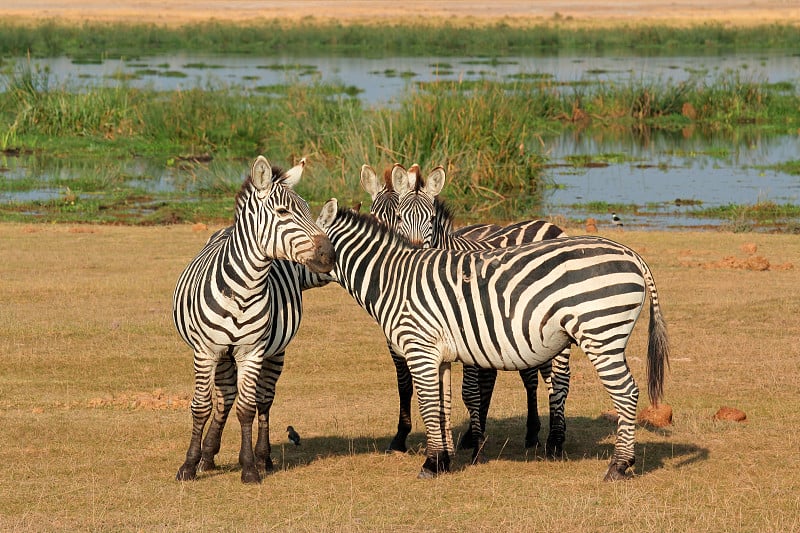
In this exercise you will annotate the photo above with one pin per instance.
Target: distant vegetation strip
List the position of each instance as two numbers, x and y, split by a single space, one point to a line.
488 133
274 38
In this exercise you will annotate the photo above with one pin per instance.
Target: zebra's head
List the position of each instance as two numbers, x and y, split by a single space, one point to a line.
384 197
416 209
279 221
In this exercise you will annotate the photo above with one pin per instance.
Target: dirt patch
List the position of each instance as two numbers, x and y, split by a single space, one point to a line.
750 261
739 12
157 400
731 414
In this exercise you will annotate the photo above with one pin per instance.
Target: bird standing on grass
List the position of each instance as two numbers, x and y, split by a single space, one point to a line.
293 436
616 220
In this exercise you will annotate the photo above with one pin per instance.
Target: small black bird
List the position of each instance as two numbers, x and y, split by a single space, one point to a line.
616 220
293 436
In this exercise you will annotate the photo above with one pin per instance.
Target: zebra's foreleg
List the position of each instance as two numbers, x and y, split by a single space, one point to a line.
265 394
405 389
530 378
249 369
558 388
202 405
225 395
434 398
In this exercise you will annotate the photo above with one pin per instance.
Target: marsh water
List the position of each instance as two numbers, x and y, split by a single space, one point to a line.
645 169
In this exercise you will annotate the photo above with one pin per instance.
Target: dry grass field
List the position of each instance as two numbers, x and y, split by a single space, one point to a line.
579 12
95 386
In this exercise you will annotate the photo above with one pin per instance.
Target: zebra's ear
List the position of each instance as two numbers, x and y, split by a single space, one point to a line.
261 173
435 181
328 213
292 176
369 181
400 179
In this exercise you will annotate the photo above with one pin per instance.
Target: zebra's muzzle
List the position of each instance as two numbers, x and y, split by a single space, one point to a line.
324 258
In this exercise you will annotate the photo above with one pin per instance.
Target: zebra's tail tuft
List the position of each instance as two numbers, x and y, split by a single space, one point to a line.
657 349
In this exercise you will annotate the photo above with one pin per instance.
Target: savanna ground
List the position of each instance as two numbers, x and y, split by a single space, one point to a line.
96 383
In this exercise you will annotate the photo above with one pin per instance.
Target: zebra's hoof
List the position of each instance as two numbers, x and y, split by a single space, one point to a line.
467 442
186 473
554 451
250 476
206 465
426 474
618 472
396 447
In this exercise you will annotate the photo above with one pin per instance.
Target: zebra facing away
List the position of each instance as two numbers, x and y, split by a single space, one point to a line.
506 308
229 309
421 217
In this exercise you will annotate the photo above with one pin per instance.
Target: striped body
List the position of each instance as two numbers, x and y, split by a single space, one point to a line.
424 219
232 305
509 309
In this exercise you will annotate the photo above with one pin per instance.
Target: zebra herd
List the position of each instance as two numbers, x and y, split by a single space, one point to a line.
508 298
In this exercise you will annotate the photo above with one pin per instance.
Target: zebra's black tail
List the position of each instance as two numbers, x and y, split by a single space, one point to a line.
657 345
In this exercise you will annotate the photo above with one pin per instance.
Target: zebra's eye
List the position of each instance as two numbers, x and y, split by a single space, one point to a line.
282 212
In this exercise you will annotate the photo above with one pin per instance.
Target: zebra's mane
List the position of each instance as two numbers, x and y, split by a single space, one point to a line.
247 189
366 223
387 180
442 217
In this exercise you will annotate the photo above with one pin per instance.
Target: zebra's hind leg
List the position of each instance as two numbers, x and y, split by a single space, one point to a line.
265 394
477 388
405 389
225 395
530 378
201 407
558 387
616 377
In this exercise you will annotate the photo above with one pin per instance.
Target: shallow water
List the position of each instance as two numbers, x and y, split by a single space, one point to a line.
383 79
646 170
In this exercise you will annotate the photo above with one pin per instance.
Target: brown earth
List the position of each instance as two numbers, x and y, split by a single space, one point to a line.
586 12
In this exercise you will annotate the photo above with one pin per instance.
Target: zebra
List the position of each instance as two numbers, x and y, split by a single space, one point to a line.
505 308
426 221
231 306
381 191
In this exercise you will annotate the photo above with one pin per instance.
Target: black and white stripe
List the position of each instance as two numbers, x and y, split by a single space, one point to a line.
238 309
506 308
426 221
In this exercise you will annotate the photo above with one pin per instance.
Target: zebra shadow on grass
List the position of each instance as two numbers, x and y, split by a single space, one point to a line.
588 439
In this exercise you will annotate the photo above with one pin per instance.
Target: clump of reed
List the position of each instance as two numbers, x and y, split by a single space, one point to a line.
487 134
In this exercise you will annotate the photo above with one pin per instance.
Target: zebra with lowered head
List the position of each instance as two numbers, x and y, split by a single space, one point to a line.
505 308
226 306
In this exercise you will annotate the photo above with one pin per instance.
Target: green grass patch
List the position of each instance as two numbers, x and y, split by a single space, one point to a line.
787 167
277 37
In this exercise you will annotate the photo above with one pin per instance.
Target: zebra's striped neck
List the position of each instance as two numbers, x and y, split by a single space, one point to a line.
244 260
362 244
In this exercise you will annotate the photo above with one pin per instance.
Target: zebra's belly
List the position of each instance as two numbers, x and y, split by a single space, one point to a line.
505 354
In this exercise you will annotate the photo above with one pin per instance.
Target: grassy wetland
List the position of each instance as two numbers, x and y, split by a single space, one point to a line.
487 133
96 382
